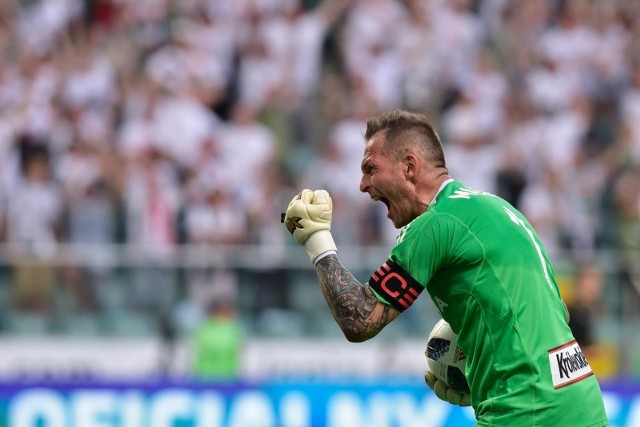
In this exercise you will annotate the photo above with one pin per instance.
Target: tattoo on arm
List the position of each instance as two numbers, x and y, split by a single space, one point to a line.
355 308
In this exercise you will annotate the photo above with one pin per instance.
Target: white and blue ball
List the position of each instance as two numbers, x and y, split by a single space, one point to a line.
445 358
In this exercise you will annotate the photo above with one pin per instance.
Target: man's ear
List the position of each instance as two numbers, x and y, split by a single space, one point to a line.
410 166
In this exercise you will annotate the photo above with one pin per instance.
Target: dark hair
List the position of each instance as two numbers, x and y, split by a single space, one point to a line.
31 152
403 129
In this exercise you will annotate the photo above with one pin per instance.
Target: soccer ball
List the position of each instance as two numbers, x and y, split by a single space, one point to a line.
445 359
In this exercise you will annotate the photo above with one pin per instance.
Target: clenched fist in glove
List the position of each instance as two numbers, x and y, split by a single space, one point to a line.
446 393
308 218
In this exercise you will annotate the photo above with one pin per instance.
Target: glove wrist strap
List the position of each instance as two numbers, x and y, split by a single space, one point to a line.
319 245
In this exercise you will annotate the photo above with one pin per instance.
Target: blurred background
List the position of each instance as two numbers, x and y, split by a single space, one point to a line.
148 147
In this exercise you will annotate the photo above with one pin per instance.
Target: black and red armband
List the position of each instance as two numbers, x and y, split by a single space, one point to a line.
395 285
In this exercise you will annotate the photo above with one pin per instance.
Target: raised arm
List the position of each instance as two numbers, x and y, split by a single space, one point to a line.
355 308
353 305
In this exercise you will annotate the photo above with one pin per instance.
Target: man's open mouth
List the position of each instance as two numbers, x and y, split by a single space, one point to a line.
381 199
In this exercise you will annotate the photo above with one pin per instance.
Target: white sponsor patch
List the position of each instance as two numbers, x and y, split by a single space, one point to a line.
568 365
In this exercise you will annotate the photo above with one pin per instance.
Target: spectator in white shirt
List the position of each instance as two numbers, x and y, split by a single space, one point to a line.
33 224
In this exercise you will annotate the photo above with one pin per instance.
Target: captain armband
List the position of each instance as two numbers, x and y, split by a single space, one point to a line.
395 285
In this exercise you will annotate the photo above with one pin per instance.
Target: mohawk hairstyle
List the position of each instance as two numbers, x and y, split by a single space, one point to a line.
403 129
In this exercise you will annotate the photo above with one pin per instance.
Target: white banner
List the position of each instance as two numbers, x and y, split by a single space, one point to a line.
143 358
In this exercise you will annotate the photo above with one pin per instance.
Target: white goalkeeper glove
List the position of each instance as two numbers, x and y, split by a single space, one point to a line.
446 393
308 218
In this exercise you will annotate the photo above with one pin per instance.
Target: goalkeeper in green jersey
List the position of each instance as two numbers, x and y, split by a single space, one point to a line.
481 263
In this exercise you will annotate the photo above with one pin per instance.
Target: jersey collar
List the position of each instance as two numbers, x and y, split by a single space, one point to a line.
444 184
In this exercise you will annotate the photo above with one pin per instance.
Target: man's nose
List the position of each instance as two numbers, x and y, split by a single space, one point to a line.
364 184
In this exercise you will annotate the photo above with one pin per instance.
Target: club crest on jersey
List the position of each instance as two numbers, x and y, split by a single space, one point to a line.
568 365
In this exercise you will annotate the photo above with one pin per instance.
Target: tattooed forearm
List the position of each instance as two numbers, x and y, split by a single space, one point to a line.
354 306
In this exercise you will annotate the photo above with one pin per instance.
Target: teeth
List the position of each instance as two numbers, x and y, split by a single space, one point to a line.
377 198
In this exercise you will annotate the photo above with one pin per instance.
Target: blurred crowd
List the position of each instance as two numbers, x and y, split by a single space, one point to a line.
163 122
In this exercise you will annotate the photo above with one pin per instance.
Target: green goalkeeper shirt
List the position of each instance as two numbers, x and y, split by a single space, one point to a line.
487 272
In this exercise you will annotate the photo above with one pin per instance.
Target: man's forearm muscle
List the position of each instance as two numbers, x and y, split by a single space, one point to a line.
355 308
